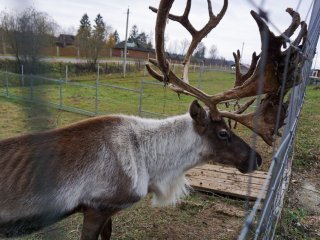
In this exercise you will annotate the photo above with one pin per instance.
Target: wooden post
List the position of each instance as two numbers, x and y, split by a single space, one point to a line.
97 87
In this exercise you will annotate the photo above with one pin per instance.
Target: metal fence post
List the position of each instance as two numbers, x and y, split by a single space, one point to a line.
200 76
7 84
67 73
31 87
22 75
140 98
60 96
97 87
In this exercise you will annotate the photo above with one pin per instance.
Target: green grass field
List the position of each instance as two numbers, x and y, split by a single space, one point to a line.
112 98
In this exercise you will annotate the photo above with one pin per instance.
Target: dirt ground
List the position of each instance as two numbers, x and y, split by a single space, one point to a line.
192 219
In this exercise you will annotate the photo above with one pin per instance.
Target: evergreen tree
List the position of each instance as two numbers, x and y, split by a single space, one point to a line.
116 36
142 37
98 39
83 36
139 37
91 40
134 32
200 51
84 22
149 44
99 30
100 26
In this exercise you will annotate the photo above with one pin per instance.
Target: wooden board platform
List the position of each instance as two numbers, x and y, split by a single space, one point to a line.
226 180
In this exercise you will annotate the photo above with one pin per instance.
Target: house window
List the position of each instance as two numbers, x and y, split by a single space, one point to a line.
314 73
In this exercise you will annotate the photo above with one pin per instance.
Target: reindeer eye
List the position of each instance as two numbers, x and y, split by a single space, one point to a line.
223 134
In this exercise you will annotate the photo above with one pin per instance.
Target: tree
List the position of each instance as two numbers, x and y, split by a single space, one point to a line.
28 33
213 52
91 40
183 46
84 22
116 36
83 36
149 44
141 37
200 51
134 32
150 39
98 38
111 41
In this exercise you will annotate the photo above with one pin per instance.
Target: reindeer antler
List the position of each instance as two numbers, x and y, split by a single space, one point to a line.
197 35
274 73
241 78
271 70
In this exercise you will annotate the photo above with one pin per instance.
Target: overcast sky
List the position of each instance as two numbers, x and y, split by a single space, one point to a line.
235 30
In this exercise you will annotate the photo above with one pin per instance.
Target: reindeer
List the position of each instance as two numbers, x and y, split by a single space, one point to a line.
105 164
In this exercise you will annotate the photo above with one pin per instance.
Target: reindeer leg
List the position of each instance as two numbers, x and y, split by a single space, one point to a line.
93 223
106 230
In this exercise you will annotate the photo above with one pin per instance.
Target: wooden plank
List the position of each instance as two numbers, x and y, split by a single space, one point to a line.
227 180
218 168
222 188
228 176
231 182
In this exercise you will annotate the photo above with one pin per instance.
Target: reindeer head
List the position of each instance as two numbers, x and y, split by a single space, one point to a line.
265 76
221 144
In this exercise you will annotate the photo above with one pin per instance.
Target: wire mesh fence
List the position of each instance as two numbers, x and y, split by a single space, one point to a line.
262 225
90 99
148 98
99 98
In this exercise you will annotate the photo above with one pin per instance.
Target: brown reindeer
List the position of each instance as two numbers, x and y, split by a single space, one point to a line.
105 164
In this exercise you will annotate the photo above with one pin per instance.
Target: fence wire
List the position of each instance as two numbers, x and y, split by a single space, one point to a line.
263 225
102 98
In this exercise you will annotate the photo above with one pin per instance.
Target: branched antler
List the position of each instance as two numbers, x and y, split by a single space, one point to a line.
268 69
241 78
197 35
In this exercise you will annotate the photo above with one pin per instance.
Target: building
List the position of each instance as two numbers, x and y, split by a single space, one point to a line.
135 49
65 40
243 67
315 73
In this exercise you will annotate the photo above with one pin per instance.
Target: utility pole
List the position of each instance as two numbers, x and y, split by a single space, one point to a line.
241 52
315 61
125 47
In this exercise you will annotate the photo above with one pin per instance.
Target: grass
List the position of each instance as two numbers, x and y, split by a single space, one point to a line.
292 224
308 146
155 97
22 117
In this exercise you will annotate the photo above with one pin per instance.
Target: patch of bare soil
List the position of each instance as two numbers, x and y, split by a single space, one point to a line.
198 217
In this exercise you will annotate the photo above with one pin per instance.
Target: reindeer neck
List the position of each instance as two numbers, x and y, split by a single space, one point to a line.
168 145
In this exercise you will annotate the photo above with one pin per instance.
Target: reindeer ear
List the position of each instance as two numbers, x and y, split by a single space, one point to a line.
198 114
